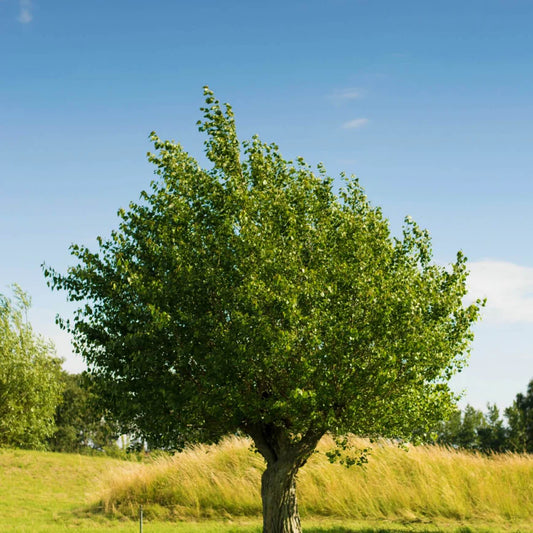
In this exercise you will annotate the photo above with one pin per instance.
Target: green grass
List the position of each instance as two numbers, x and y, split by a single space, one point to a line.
46 490
215 490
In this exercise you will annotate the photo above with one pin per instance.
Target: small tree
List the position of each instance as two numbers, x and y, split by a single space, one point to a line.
462 429
82 423
447 431
30 385
492 435
250 297
520 420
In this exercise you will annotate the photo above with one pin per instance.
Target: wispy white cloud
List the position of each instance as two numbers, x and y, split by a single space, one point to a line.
343 95
25 12
355 123
507 287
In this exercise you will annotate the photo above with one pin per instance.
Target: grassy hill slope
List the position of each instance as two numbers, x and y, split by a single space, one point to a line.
424 483
47 490
216 489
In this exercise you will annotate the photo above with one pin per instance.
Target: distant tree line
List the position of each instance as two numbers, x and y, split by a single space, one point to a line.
472 429
81 424
44 407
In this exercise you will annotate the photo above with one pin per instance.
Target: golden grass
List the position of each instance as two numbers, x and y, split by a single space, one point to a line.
424 483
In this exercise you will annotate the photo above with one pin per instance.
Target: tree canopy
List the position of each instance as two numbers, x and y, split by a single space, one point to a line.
30 386
251 297
82 423
520 418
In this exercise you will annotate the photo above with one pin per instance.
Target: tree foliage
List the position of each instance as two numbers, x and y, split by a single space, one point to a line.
493 434
472 429
487 432
251 297
82 422
520 419
30 386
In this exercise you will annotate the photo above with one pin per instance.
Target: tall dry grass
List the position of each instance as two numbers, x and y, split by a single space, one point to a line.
223 481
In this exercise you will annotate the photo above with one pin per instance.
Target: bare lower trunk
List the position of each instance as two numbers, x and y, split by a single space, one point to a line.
284 456
278 491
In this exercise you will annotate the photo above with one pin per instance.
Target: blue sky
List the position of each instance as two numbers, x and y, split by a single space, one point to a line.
429 103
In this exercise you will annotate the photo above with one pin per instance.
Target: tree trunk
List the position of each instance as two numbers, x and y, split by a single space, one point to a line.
284 456
278 492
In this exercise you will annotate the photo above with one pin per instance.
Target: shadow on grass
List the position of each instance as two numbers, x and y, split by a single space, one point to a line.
366 529
357 530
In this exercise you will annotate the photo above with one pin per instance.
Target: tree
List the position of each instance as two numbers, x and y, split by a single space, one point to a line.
520 420
461 428
492 435
30 386
447 431
82 423
468 434
249 297
473 430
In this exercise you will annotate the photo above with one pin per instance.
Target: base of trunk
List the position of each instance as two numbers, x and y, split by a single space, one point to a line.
280 506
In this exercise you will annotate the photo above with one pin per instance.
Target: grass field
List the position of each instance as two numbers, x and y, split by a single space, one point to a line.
215 489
